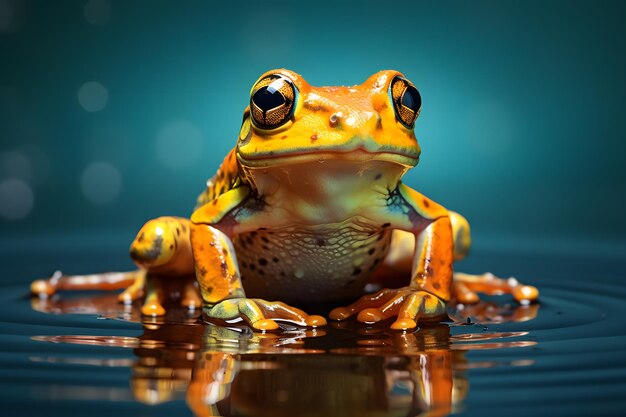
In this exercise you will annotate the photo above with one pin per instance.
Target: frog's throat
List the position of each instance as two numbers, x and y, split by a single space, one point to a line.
355 155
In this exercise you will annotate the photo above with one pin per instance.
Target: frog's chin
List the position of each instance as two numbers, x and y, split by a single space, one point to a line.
358 155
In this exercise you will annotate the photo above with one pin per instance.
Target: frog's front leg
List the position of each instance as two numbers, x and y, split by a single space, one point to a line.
429 290
217 270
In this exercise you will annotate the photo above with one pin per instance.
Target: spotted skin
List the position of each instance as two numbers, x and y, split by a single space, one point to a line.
162 246
332 264
226 178
216 265
162 251
310 207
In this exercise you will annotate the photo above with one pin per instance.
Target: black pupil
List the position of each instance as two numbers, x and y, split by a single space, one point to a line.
411 98
268 98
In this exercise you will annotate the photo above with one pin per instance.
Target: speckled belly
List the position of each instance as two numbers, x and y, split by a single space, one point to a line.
309 265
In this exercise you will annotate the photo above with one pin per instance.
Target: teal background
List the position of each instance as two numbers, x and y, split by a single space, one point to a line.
522 127
522 130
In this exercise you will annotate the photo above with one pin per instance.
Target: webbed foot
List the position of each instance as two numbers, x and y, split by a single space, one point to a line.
408 305
466 286
261 314
106 281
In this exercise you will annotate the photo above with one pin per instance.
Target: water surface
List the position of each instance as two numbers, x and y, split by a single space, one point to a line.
85 353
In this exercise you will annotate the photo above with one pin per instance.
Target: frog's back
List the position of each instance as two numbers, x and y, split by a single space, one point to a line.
226 178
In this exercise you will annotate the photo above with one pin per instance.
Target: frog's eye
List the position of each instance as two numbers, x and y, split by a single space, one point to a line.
272 101
406 101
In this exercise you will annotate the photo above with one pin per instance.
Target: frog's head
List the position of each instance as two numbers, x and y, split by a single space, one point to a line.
290 122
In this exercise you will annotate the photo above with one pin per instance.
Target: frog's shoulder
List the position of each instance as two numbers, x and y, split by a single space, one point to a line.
226 178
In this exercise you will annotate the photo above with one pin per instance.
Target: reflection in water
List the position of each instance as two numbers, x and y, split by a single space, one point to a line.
346 368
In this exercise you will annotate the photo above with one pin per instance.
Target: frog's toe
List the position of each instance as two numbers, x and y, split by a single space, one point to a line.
45 288
152 309
525 294
404 324
265 324
369 301
372 308
340 313
315 321
371 315
42 288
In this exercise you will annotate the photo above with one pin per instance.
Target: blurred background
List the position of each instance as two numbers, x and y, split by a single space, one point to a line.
114 112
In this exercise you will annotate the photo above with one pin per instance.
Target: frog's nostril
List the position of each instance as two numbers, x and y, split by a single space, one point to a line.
335 119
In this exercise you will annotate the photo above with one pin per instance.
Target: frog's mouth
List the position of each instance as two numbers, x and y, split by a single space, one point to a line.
271 159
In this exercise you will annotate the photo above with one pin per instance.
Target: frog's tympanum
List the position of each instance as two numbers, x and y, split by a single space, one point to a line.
309 207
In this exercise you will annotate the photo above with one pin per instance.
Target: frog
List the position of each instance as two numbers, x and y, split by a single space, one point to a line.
310 206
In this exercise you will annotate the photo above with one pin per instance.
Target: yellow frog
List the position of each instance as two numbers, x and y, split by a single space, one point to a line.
309 207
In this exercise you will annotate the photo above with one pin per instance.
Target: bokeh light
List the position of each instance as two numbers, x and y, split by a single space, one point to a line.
11 15
39 163
93 96
101 182
97 12
16 199
179 144
145 87
14 164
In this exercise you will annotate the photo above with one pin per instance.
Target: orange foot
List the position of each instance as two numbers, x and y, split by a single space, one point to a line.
409 305
261 314
466 286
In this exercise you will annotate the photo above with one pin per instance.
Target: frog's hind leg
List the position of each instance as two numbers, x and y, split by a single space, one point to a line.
466 286
161 250
106 281
460 235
